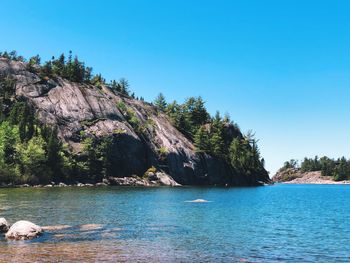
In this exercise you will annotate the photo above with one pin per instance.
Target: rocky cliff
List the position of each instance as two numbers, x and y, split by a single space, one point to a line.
77 109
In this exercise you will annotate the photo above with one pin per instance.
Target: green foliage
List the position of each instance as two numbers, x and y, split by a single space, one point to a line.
152 169
98 81
122 107
201 140
160 102
71 69
163 153
130 116
7 95
216 136
12 56
121 86
188 117
292 164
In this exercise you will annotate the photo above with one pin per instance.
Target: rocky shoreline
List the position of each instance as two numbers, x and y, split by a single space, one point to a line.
295 176
150 180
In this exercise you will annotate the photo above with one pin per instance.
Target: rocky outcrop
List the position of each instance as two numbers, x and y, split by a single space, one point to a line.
166 180
128 181
80 108
22 230
4 225
151 179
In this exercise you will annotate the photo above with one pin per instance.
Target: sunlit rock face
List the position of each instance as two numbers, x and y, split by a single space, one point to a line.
75 108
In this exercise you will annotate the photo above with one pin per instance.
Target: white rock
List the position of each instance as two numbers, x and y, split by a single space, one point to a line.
22 230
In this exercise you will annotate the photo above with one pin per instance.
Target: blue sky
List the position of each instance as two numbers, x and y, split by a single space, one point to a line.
280 68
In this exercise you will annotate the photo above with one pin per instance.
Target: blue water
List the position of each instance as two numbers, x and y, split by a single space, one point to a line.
288 223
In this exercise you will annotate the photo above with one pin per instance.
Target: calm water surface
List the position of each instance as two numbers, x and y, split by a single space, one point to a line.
281 223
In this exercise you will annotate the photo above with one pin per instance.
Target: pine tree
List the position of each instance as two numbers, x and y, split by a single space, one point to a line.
160 102
201 140
124 86
217 144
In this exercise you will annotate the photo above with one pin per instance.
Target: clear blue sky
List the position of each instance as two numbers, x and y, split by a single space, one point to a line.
280 68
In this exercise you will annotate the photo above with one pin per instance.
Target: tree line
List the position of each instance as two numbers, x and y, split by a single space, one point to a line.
70 68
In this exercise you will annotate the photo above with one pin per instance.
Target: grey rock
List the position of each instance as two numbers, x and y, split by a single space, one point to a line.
22 230
4 225
128 181
166 180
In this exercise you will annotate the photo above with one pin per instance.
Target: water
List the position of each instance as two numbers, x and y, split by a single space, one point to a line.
288 223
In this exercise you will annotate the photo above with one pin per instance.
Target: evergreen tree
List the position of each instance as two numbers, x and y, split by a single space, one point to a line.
217 144
201 140
124 86
160 102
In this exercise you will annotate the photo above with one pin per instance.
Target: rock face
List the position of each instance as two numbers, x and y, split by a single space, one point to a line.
22 230
75 108
4 226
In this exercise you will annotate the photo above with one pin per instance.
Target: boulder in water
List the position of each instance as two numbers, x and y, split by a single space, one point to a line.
22 230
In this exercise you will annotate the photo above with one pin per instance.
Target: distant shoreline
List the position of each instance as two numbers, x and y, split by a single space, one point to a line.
311 178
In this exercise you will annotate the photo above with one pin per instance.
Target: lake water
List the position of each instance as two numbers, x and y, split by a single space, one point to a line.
288 223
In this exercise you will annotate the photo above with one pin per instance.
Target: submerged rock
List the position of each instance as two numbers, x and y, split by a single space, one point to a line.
4 225
198 201
89 227
22 230
56 228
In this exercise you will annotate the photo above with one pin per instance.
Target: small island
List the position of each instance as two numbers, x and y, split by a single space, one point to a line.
314 171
